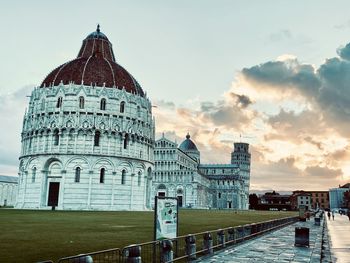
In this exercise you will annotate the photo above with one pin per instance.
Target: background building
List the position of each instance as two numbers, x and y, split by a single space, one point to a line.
336 196
179 173
300 198
8 190
88 136
319 199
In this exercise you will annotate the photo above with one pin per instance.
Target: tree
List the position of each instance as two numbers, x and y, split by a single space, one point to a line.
253 201
347 199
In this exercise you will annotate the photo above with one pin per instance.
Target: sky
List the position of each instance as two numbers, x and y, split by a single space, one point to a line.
275 74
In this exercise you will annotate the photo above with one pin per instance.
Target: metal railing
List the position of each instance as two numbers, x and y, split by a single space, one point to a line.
183 248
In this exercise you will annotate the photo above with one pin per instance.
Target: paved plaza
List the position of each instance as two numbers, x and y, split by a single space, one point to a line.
339 238
277 246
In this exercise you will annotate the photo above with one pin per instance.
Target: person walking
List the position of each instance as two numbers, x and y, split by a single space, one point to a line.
349 214
333 215
329 215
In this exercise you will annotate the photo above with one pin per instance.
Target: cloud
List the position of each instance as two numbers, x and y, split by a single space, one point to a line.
323 172
284 77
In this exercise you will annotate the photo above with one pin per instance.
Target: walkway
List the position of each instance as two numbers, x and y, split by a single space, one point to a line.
277 246
339 238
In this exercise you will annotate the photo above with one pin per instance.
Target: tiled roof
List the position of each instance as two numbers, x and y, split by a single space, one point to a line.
95 65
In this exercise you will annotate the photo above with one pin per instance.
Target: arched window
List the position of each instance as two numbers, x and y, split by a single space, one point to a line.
77 175
102 175
139 179
56 138
122 107
123 176
43 104
126 141
103 104
138 111
33 174
81 102
59 102
97 138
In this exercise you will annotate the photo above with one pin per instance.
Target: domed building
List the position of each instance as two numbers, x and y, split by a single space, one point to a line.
88 136
179 173
189 147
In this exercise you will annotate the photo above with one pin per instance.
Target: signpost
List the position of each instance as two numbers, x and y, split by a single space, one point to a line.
165 218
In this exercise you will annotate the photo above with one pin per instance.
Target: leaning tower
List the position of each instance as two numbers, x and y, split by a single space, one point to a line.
241 157
88 136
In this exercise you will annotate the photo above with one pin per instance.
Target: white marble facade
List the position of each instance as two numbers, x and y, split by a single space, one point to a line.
179 173
111 171
8 190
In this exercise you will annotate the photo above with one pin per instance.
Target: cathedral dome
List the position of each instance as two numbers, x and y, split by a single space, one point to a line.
95 65
188 145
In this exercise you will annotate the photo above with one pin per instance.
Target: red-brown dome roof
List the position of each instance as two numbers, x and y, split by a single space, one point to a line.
95 65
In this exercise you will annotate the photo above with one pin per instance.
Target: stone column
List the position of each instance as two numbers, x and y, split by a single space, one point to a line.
90 186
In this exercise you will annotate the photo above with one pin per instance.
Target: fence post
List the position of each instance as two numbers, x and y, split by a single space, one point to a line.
166 251
231 234
221 237
132 254
208 243
190 247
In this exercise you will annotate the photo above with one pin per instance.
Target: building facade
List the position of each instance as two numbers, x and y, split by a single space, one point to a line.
179 173
8 190
300 198
336 196
88 136
319 199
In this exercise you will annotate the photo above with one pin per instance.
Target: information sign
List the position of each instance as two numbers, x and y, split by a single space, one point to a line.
165 217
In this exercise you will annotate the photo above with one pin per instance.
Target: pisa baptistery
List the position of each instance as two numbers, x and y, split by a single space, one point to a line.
88 136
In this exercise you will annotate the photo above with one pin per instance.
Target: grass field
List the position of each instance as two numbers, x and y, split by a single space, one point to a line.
29 236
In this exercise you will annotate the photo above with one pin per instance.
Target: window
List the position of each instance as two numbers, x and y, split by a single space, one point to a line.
139 179
56 138
102 175
81 102
33 174
77 175
123 176
103 104
43 104
122 107
138 111
97 138
125 141
59 102
219 195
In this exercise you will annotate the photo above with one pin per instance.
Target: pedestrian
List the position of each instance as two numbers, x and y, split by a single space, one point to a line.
333 215
349 214
329 215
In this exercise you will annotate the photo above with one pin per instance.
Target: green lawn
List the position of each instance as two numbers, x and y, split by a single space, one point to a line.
29 236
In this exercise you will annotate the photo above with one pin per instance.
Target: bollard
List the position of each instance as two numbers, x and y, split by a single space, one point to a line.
83 259
132 254
247 231
208 243
166 251
317 221
190 247
254 228
302 236
221 237
231 234
239 234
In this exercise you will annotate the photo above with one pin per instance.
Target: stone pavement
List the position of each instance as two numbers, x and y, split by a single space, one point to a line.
277 246
339 238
